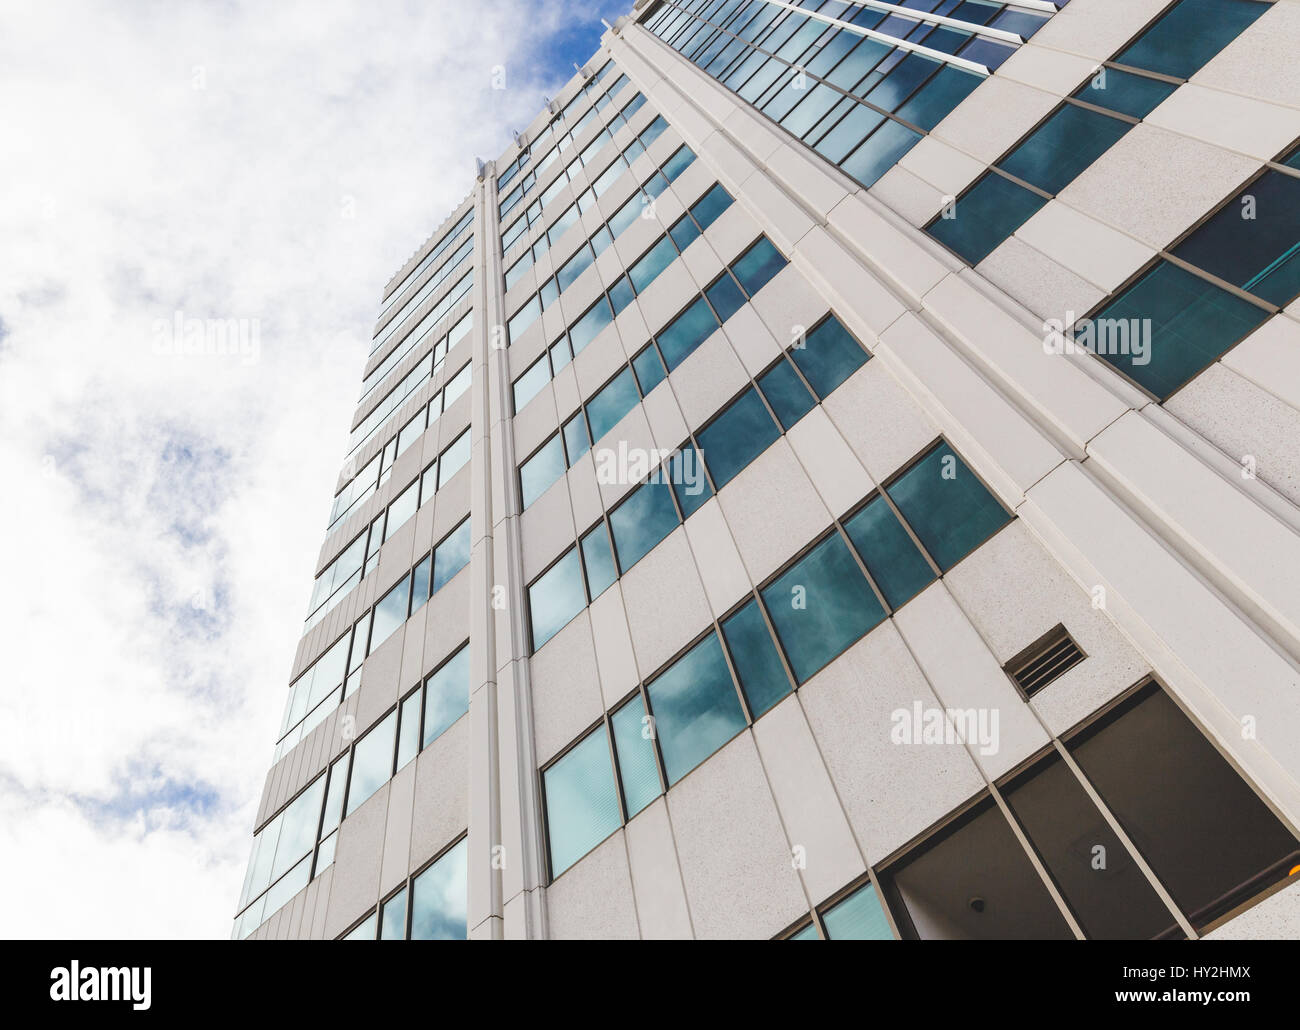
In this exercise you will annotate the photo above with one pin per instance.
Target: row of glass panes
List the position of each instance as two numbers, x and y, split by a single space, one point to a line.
641 272
414 379
1082 128
644 195
440 248
926 518
361 556
281 861
567 139
734 437
375 473
400 330
324 686
585 201
450 267
575 169
528 150
376 376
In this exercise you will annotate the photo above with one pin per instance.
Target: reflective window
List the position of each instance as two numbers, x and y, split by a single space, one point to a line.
899 569
984 216
737 436
581 800
828 356
446 696
541 470
555 598
439 897
641 521
859 917
1191 33
754 656
636 756
372 762
695 708
450 556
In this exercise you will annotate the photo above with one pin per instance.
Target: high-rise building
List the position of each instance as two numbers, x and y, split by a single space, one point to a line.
835 476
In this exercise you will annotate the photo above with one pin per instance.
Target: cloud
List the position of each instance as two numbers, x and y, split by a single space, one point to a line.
163 511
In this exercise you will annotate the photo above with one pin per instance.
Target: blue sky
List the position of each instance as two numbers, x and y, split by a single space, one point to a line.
270 164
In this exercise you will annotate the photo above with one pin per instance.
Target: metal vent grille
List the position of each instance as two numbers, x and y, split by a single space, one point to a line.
1050 656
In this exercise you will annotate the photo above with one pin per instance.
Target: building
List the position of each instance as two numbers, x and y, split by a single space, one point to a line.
835 476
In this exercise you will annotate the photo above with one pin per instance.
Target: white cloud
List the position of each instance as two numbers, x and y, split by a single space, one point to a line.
162 514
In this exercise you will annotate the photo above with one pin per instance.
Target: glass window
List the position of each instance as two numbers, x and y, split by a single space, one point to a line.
402 509
984 216
786 393
736 437
528 385
524 317
450 556
454 458
583 331
556 597
365 930
647 268
895 564
725 296
695 708
439 899
1191 33
1261 253
757 265
636 756
821 606
408 730
686 332
880 152
1207 836
1169 326
829 355
446 696
577 442
948 508
1063 146
859 917
690 484
392 921
541 470
390 613
649 369
945 90
1133 95
372 762
420 583
640 522
614 400
684 232
581 800
755 658
707 209
599 560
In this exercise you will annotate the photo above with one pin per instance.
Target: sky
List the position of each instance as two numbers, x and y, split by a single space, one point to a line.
162 511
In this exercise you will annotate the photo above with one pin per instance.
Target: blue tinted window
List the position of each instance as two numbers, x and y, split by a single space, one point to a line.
821 606
880 152
652 263
531 382
1192 322
695 708
576 440
599 560
829 355
895 564
686 332
902 80
446 696
621 294
736 437
725 296
933 101
636 756
420 582
524 317
987 214
589 325
684 232
372 761
614 400
757 663
1133 95
541 470
708 207
450 556
678 163
686 473
947 507
786 393
837 144
1190 34
390 613
1063 146
574 267
439 899
1259 254
757 265
649 370
859 917
581 800
640 522
556 597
